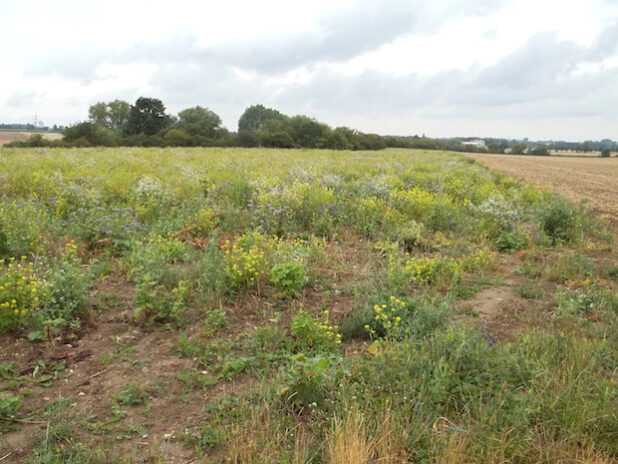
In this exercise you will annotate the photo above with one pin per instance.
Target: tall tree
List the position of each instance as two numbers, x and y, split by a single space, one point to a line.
118 111
147 116
113 115
256 116
198 121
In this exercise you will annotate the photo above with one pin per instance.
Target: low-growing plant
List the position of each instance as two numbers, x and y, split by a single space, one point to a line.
288 277
131 395
582 301
215 319
567 266
153 257
512 241
439 271
388 321
314 332
398 319
68 287
156 303
21 294
561 220
245 261
530 291
308 382
232 367
9 405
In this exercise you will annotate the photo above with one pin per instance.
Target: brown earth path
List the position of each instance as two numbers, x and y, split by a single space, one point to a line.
577 178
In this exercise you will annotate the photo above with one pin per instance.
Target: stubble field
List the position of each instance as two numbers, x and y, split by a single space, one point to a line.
578 178
8 136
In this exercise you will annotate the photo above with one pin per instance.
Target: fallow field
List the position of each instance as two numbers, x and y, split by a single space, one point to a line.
274 306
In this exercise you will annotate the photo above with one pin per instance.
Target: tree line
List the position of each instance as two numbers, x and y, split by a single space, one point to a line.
147 123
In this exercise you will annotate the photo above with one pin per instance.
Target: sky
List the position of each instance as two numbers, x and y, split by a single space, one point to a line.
542 69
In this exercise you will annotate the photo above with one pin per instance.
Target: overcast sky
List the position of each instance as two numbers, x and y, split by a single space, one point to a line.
543 69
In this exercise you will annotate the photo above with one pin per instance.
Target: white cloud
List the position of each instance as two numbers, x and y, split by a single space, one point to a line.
485 67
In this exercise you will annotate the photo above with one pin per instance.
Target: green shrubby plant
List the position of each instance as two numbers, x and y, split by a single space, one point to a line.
397 319
583 301
68 288
214 320
309 381
22 293
289 278
157 303
152 257
568 265
314 332
560 220
132 395
9 405
46 301
23 226
512 241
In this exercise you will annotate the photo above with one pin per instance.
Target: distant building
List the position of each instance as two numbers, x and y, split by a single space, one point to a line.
474 142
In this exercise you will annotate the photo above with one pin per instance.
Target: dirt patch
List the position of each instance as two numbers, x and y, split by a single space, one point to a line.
499 311
115 353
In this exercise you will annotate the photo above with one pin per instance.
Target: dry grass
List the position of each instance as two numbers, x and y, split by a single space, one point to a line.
347 443
350 441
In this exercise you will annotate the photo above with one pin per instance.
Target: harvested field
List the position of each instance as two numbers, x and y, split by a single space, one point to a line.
594 179
6 137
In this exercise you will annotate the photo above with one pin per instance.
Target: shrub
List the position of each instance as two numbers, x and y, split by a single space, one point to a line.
399 319
9 406
511 241
288 277
245 261
21 294
308 382
132 395
156 303
561 221
585 300
439 271
314 332
68 286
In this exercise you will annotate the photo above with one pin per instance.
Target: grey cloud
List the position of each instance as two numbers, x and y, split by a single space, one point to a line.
536 81
22 99
606 42
75 64
358 29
